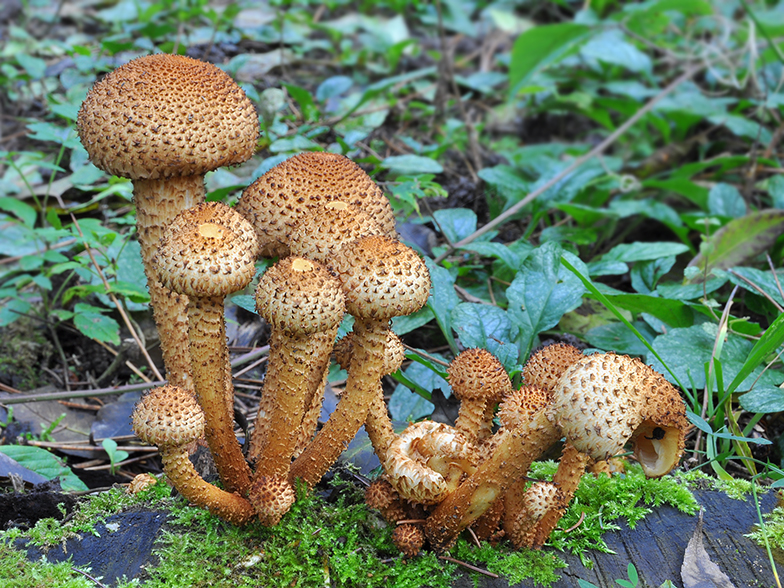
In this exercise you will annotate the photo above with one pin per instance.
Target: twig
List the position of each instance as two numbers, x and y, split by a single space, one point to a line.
426 356
598 150
760 290
577 524
22 398
5 388
468 565
89 577
475 538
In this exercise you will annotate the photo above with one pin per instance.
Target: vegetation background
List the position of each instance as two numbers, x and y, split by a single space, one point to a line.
606 173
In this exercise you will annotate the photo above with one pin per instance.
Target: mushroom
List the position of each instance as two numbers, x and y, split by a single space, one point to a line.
546 366
304 305
381 279
271 497
427 462
606 400
479 381
206 253
170 418
164 121
377 423
278 199
525 434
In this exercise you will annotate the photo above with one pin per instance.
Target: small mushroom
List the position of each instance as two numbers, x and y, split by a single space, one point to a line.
271 497
479 381
381 278
278 199
525 434
546 366
164 121
428 461
606 400
170 418
304 305
206 253
409 539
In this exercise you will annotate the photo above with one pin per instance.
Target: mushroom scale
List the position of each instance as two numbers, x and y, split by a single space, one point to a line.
164 121
278 199
202 255
170 418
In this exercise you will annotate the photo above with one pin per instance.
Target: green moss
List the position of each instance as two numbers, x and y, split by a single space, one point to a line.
17 572
339 542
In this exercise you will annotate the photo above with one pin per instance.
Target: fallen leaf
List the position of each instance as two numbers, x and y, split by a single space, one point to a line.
698 571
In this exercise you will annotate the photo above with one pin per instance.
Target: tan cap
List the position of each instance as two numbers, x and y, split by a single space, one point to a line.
163 115
168 416
279 198
211 255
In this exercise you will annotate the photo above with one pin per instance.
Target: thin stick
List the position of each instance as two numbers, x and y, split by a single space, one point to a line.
21 398
599 149
758 289
468 565
89 577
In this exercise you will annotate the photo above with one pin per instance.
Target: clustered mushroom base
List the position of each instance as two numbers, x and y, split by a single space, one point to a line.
334 231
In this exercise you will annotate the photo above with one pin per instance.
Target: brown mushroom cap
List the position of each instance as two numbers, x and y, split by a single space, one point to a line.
545 367
168 416
207 251
479 381
325 227
271 497
381 277
409 539
300 297
278 199
604 400
161 116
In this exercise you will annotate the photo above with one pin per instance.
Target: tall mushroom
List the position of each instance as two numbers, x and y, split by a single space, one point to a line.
381 279
164 121
206 253
304 305
170 418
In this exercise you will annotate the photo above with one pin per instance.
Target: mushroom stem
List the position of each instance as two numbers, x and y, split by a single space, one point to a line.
229 506
514 450
367 362
206 327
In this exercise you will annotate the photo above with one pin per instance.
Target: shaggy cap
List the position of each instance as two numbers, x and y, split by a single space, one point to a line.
409 539
271 497
162 116
168 416
545 367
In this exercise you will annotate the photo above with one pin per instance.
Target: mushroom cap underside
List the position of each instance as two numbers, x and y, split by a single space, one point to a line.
163 116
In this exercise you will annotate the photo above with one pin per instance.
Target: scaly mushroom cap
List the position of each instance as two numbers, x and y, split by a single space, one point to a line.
604 400
479 381
394 352
383 497
168 416
205 255
409 539
382 278
517 408
300 297
271 497
161 116
279 198
325 227
428 461
546 366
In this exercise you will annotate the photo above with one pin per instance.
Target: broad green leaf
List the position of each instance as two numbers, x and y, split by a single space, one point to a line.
487 327
725 200
610 46
505 179
295 143
739 241
42 462
411 164
691 291
13 310
764 399
672 312
34 66
26 213
629 252
456 223
646 274
407 406
776 191
334 86
765 281
617 337
443 299
89 320
686 351
245 301
771 339
304 100
492 249
541 293
405 324
683 186
539 47
690 7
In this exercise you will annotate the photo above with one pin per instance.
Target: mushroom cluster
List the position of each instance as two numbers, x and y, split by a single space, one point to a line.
334 233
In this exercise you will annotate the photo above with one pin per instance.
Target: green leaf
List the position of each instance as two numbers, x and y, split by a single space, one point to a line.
443 300
26 213
611 46
629 252
456 223
539 47
739 241
89 320
617 337
304 100
492 249
42 462
763 399
406 165
486 327
771 339
672 312
725 200
541 293
406 406
765 281
245 301
34 66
